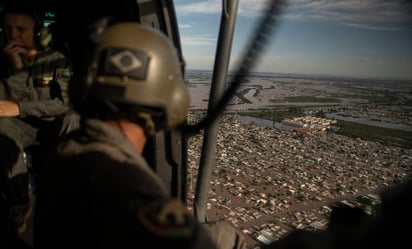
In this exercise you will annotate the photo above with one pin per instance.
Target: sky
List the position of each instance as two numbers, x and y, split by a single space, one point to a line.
350 38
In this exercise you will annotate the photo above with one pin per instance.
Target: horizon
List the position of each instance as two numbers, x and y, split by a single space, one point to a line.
302 75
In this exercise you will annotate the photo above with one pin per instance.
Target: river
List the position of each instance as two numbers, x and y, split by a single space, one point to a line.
269 123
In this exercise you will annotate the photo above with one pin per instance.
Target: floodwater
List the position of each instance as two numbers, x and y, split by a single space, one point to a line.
369 122
269 123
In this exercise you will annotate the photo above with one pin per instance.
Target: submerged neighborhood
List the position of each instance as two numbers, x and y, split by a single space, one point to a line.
269 179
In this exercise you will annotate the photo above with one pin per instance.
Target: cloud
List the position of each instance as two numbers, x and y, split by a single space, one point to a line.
248 8
185 26
200 7
252 8
364 14
198 40
373 27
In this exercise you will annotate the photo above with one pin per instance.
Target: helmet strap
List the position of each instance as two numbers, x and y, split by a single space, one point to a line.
149 126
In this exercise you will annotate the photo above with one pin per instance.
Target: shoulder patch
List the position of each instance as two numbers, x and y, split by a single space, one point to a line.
168 218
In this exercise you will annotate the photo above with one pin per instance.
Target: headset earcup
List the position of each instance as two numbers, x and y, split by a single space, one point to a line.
37 30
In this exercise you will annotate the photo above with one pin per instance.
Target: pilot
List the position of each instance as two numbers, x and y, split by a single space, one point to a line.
34 105
97 190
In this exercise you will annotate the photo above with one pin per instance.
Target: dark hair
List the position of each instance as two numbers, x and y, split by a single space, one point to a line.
28 9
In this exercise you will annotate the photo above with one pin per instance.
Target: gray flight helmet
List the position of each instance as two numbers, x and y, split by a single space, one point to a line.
138 65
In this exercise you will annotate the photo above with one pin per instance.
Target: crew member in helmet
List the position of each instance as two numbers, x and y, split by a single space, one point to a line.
97 190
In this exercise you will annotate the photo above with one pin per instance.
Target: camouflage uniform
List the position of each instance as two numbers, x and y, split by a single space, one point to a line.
41 91
98 192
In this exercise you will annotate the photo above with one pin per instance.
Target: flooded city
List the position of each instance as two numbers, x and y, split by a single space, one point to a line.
277 172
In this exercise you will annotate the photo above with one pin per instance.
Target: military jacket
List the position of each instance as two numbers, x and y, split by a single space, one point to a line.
97 192
41 89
